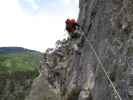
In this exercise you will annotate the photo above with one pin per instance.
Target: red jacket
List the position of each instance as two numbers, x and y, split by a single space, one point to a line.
71 25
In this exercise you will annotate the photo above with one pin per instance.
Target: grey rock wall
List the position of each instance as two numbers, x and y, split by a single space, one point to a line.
108 25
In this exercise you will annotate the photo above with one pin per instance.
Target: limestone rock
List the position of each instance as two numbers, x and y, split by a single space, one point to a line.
108 25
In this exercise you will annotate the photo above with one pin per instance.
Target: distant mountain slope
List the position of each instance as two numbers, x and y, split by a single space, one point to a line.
19 59
15 50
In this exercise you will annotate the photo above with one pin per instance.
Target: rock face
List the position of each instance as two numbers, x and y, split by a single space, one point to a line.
16 85
108 25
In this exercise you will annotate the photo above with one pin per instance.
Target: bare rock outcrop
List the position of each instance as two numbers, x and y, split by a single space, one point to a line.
108 24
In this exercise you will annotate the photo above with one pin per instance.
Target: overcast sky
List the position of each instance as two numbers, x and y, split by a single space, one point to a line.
34 24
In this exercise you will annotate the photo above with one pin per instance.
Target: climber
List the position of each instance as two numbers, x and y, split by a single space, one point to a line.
71 27
75 34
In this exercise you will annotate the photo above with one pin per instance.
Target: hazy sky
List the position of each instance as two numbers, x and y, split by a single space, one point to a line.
34 24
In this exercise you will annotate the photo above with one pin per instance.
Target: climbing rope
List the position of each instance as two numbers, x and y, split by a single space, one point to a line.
102 67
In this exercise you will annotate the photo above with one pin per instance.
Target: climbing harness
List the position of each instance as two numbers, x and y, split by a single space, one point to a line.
102 67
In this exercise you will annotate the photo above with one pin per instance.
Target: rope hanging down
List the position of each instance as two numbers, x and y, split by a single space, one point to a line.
102 67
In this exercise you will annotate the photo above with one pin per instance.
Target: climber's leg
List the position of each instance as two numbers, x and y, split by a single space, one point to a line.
75 47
